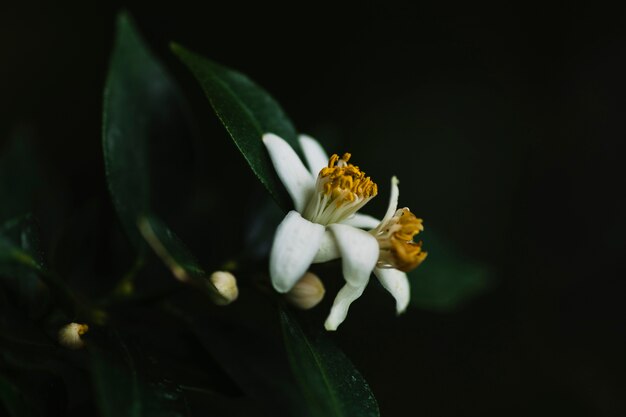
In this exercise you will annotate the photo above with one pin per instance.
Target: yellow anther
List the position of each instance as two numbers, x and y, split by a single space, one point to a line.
408 255
342 189
344 181
333 160
397 248
82 329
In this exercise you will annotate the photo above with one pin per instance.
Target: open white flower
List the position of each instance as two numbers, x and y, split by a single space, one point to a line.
325 225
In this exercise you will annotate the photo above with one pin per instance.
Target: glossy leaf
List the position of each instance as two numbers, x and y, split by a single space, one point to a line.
328 380
447 280
247 112
145 126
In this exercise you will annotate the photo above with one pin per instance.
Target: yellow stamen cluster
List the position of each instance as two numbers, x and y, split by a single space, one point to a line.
342 189
398 250
346 182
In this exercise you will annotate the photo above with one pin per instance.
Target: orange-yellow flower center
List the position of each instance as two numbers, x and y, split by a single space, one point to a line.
341 190
395 238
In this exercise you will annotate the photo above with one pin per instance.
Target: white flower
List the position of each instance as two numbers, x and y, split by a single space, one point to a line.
325 225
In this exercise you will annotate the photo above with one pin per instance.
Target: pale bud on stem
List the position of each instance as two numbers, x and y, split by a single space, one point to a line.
307 293
70 335
225 285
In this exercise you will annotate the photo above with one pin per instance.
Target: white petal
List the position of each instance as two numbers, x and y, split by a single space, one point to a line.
295 244
362 221
393 200
328 249
295 177
397 283
314 154
342 302
359 251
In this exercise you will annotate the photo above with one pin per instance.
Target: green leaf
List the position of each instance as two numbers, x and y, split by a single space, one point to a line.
20 259
146 138
145 132
121 391
29 292
330 383
19 176
250 353
176 256
247 112
447 280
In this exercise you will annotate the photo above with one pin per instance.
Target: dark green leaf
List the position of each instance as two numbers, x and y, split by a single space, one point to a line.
447 280
249 349
247 111
19 176
145 132
117 387
330 383
175 255
21 264
121 391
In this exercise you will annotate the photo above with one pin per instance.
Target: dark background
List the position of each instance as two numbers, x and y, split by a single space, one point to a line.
504 126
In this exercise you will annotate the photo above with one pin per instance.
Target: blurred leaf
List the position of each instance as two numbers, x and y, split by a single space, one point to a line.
14 401
29 292
122 392
145 131
250 351
330 383
176 256
144 124
247 112
20 258
446 280
19 176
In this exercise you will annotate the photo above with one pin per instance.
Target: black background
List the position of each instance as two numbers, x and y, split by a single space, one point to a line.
503 124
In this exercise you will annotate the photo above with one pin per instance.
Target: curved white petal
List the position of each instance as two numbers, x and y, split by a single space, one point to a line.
295 244
328 249
295 177
397 283
359 251
362 221
316 157
393 201
340 307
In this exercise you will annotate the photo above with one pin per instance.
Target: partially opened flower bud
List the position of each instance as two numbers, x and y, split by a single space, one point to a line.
225 284
307 293
70 335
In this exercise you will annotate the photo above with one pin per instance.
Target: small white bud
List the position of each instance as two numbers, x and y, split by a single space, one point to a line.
70 335
226 285
307 293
